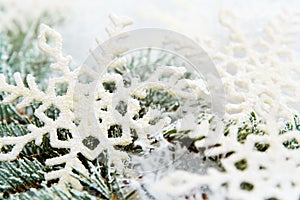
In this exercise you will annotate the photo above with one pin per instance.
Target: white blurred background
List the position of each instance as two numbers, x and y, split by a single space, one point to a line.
86 20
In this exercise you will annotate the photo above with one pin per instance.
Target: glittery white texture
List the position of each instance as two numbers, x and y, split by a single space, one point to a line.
104 107
173 85
257 73
64 103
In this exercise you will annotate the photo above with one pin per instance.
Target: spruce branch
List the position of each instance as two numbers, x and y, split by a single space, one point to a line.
103 181
53 193
20 175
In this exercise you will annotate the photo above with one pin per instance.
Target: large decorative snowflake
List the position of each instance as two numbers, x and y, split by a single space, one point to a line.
260 74
116 106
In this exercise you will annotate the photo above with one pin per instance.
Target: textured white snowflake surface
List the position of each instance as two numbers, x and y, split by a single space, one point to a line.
50 99
260 75
113 110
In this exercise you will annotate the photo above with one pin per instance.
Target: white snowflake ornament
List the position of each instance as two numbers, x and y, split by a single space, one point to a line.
104 110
